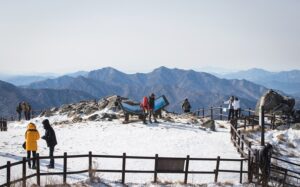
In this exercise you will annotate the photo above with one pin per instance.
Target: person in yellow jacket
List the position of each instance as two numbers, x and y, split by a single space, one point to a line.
31 136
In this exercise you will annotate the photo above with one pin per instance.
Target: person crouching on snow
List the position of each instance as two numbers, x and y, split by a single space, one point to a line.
31 136
50 138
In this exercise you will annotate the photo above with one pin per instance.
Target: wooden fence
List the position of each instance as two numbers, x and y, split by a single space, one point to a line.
3 124
159 167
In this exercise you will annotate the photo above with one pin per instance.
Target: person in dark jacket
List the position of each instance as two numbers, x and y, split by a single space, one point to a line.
50 139
151 107
186 106
19 111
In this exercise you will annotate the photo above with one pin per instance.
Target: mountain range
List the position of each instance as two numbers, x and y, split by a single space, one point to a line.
202 89
286 81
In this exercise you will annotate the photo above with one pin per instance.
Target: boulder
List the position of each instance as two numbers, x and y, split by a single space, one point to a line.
209 124
274 103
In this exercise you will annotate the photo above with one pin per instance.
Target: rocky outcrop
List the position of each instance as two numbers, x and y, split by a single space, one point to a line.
275 103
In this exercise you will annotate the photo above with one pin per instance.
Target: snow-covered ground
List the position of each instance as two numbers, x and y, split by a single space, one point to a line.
170 139
135 139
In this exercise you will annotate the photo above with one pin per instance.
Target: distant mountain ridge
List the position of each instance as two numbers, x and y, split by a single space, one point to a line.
10 96
202 89
286 81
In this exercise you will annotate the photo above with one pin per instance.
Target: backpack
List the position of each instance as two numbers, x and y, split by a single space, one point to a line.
145 102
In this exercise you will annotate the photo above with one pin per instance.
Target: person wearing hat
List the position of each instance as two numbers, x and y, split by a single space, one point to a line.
151 107
50 138
186 106
31 136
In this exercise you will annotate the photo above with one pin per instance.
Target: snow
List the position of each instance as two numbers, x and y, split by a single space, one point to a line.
135 139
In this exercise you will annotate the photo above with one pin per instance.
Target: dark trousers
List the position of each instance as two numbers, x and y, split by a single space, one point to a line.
230 114
28 157
151 113
19 116
237 113
51 151
187 111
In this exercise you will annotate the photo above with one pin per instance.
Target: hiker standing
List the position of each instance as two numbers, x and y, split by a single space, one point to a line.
151 107
145 108
19 111
186 106
236 107
265 155
230 107
31 136
51 141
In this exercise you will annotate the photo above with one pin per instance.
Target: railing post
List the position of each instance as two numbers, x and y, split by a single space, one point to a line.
155 167
186 172
203 112
241 172
243 139
284 178
65 168
38 177
0 123
123 168
249 164
239 140
221 112
245 124
198 112
90 164
249 112
217 169
24 172
262 124
8 174
211 113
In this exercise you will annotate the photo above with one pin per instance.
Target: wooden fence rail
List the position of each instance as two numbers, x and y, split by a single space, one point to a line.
159 167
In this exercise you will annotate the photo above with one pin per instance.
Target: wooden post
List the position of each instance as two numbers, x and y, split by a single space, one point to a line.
241 172
38 177
249 112
123 168
186 172
221 112
65 168
198 112
284 178
1 124
245 124
8 174
24 172
211 113
217 169
155 167
249 164
262 124
90 164
203 112
239 139
243 139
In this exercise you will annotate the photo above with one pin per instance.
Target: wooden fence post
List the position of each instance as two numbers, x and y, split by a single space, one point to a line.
249 112
243 139
38 177
284 178
186 172
90 164
155 167
211 113
123 168
24 172
203 112
241 172
65 168
239 140
221 112
0 123
8 174
250 164
198 112
217 169
262 124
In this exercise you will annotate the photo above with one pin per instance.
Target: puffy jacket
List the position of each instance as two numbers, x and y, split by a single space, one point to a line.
49 136
151 102
236 104
31 136
145 103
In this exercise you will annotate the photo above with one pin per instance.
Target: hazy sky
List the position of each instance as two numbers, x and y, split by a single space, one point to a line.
137 36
